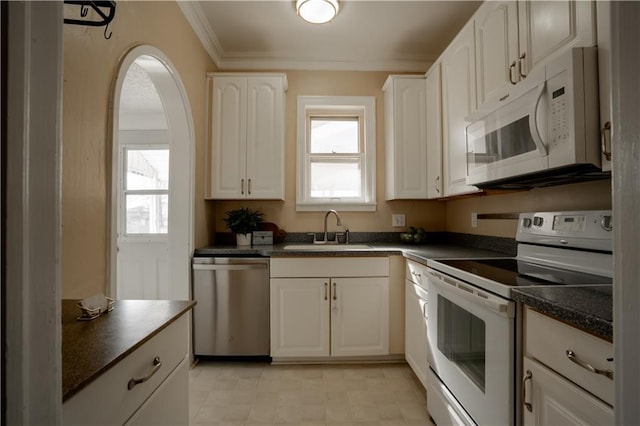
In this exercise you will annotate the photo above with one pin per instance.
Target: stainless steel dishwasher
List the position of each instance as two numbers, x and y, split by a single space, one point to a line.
232 314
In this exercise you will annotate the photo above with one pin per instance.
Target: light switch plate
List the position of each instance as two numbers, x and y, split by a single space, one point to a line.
398 219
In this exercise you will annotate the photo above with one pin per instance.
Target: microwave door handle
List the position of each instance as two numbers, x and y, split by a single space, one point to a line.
533 122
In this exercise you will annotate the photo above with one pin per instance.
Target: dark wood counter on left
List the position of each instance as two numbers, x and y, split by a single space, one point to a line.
89 348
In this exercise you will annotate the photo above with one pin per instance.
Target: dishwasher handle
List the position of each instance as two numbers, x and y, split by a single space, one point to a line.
237 267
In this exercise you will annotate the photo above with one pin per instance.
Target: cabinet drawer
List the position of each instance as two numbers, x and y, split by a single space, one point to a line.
417 273
330 267
107 400
548 341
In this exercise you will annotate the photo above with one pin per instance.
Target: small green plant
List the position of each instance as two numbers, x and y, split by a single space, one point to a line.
243 220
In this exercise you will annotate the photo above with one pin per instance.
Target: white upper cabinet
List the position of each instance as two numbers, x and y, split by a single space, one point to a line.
496 49
405 137
513 37
458 101
247 136
434 131
548 28
604 79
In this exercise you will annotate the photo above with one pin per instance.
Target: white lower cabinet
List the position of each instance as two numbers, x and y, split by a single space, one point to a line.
161 399
416 322
554 400
567 375
345 315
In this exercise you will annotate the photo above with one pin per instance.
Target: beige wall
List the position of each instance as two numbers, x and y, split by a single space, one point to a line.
580 196
427 214
90 66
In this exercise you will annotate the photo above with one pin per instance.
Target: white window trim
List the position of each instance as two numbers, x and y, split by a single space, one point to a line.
122 193
333 103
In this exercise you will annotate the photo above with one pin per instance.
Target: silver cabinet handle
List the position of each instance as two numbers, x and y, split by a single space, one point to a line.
520 61
527 405
242 186
574 358
438 184
603 140
249 186
156 366
326 296
335 292
511 68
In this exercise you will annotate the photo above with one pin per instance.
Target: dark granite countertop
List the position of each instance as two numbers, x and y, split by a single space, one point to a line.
589 308
419 253
89 348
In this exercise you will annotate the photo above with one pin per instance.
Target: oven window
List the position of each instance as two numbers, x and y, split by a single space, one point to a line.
461 338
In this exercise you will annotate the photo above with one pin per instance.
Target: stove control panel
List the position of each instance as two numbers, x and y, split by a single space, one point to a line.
580 229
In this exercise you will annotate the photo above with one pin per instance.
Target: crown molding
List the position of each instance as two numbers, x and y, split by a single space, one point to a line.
195 16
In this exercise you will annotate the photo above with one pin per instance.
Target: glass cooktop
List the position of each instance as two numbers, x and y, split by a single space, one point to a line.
513 272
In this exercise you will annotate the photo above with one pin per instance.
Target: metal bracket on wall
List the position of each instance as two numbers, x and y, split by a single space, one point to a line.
105 11
499 216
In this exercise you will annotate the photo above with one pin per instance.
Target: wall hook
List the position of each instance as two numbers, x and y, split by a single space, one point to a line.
107 37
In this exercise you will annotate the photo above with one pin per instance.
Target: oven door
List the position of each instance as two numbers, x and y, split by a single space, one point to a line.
471 347
511 139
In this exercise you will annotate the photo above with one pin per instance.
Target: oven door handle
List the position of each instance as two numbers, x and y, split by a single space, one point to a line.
466 291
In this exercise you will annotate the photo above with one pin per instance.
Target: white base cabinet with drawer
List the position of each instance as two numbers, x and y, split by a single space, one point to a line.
416 299
345 312
162 399
559 384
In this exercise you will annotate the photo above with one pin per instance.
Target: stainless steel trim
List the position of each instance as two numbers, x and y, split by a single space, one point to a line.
156 366
574 358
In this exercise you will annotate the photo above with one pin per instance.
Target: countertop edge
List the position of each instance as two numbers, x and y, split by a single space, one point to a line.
584 321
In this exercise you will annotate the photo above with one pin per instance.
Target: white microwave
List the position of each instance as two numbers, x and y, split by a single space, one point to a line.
543 132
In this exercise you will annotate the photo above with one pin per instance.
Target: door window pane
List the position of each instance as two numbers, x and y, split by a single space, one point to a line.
147 214
334 135
147 169
461 338
336 180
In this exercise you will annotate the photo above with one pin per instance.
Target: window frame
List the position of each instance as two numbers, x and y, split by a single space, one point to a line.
123 234
336 106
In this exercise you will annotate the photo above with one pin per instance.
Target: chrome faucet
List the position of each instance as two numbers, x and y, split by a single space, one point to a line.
338 223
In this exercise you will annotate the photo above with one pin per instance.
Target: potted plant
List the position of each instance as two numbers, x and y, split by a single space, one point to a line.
243 222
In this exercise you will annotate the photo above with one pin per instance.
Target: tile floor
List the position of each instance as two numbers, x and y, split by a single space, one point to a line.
263 394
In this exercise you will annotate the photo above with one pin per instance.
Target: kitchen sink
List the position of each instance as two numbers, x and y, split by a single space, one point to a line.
327 247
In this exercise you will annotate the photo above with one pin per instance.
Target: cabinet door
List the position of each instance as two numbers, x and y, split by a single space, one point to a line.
459 99
556 401
434 132
359 316
496 25
415 339
169 404
548 28
299 317
265 138
228 137
406 141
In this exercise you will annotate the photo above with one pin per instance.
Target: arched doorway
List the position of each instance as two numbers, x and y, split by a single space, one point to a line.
152 180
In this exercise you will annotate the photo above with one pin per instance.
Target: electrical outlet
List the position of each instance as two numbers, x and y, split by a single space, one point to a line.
474 220
398 219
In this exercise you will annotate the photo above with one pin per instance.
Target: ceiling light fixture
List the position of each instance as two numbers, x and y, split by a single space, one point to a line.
317 11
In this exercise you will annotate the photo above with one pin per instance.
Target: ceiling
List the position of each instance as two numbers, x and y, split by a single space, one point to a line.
365 36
